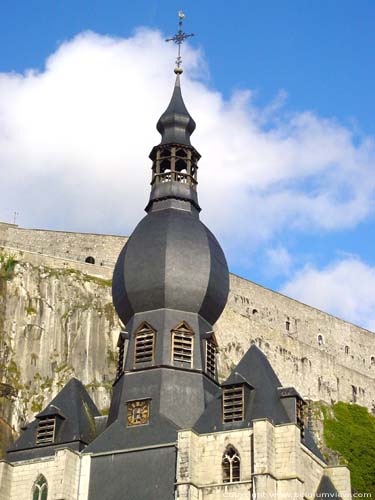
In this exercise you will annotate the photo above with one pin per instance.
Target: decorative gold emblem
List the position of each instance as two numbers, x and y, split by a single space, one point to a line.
138 412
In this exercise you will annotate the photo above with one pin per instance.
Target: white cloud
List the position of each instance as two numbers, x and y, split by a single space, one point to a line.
345 289
75 138
279 261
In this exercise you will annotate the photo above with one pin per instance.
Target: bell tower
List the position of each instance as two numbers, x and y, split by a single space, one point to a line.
170 285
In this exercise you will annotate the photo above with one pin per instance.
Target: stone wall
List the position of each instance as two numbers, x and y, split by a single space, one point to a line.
104 249
338 369
61 472
273 464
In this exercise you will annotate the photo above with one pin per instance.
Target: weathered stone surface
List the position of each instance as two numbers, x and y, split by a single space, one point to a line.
57 320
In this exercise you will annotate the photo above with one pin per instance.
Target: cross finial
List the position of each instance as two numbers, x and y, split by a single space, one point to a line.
179 38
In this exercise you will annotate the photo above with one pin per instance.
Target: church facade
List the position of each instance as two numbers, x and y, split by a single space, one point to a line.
173 431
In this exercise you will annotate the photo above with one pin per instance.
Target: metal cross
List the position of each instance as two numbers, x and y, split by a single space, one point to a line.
179 38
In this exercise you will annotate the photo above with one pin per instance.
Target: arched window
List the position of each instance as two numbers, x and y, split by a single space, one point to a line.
320 340
40 488
346 349
372 361
231 465
90 260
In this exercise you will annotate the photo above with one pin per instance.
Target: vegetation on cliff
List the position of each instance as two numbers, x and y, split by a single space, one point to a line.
349 429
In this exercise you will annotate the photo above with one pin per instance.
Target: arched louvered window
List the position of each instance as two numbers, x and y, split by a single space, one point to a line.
40 488
182 345
144 349
231 465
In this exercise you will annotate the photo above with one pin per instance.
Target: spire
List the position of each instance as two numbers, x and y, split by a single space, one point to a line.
175 124
174 159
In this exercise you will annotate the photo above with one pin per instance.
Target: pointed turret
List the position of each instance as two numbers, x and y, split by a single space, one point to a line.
175 124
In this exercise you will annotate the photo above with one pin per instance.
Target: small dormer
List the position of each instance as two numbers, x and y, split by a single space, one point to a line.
235 397
49 424
294 405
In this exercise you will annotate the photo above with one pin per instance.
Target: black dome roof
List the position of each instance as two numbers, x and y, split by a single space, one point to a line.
171 261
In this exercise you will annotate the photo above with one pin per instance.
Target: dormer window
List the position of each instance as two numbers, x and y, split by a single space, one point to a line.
121 354
45 433
182 345
233 404
144 350
211 352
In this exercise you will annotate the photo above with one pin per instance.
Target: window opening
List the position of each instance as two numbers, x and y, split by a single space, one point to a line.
211 351
346 349
231 465
121 355
372 360
233 404
287 325
40 489
144 350
45 433
320 340
90 260
182 344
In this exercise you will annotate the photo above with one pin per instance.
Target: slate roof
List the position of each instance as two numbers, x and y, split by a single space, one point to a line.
262 398
326 489
76 425
175 124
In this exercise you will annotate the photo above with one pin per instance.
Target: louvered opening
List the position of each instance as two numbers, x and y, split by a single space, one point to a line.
233 404
182 345
144 347
45 433
120 364
211 351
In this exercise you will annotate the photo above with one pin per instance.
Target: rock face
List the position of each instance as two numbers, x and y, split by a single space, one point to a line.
56 324
57 321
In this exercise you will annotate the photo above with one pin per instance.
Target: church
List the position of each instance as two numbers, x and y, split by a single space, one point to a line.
173 431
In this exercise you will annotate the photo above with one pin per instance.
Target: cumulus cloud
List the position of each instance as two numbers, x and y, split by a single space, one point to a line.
279 261
75 138
345 289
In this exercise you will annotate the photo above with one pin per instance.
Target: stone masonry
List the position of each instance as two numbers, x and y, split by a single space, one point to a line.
59 322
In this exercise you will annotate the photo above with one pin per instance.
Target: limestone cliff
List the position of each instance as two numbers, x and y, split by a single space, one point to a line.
54 324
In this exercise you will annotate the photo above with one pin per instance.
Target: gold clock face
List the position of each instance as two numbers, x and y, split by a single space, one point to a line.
138 412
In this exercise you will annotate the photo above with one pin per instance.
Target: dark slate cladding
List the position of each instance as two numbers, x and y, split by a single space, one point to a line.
171 261
177 398
326 489
76 429
175 124
262 398
139 475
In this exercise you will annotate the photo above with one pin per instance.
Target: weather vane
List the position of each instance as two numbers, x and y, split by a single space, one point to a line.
179 38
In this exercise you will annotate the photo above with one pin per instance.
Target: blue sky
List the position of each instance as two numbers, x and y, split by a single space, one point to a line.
292 80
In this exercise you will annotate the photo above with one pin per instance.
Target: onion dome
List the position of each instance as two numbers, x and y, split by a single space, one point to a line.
175 124
172 260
